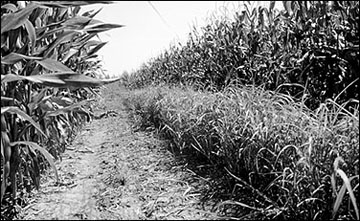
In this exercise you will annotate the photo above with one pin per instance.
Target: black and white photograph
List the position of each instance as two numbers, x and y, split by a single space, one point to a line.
180 110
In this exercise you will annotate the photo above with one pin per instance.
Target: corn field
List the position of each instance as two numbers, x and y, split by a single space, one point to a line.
310 44
49 77
270 97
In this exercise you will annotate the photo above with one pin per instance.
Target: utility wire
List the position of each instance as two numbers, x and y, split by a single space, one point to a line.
163 20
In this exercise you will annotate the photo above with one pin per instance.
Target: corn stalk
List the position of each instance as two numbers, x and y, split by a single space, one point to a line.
48 65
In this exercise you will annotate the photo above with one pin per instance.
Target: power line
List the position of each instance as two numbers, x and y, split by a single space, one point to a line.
163 20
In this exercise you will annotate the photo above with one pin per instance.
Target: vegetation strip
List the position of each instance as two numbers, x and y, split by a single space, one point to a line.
283 152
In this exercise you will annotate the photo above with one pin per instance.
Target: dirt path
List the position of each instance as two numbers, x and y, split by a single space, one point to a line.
112 172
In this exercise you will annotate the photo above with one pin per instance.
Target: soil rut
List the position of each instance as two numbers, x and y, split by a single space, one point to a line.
112 172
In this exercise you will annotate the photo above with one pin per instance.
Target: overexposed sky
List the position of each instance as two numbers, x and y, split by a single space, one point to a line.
146 34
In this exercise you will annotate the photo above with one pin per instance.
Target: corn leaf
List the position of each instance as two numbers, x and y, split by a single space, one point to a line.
9 99
69 54
16 110
14 20
3 187
62 101
74 107
54 65
31 32
63 80
63 4
96 48
77 22
68 80
64 37
44 152
13 58
80 22
92 43
91 15
102 27
36 99
10 7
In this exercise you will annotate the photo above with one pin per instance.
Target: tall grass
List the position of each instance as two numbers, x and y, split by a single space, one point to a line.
300 164
48 70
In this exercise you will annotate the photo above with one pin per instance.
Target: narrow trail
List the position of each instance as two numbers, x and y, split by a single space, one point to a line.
112 172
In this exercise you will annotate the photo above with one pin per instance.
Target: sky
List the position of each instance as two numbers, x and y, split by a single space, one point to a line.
146 33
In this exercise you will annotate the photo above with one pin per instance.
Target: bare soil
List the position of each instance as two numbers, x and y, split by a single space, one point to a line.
111 171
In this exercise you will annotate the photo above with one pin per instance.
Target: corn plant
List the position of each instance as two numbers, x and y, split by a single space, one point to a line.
307 44
48 70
